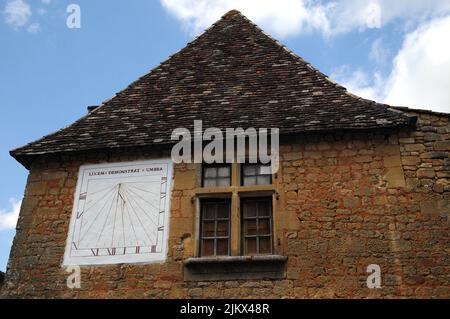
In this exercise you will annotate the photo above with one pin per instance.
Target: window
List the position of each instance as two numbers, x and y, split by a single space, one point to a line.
235 222
215 228
256 174
216 175
257 226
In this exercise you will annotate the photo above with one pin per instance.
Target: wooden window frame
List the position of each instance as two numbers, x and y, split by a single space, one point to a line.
257 218
235 193
215 237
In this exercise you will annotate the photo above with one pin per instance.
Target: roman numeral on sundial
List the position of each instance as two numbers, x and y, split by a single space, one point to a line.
95 251
111 251
160 228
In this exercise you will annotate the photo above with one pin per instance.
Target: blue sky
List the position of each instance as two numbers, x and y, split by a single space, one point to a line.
390 51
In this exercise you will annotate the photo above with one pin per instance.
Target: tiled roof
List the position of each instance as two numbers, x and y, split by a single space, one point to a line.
232 75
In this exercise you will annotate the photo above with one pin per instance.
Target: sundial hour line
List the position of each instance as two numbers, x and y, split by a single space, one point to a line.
80 238
119 195
111 191
132 225
96 217
140 222
109 187
142 190
107 217
143 210
153 205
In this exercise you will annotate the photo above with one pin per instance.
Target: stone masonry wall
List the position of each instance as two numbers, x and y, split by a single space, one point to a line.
345 201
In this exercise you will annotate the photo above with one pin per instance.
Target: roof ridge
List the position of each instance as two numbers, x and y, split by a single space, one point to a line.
411 109
289 51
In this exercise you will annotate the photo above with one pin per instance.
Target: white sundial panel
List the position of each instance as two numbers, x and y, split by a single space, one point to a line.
120 213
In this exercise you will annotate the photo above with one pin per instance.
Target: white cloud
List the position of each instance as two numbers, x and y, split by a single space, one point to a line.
17 13
281 17
34 27
420 76
349 15
359 82
8 219
285 18
372 13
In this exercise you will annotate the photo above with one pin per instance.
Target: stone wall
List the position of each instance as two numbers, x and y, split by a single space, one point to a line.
2 278
345 201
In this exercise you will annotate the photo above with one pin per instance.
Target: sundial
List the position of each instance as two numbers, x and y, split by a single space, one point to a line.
120 213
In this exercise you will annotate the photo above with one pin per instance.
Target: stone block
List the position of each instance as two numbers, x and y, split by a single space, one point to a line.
395 177
442 146
36 189
426 173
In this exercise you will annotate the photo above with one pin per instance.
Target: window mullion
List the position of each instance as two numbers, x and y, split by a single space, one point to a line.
257 227
235 224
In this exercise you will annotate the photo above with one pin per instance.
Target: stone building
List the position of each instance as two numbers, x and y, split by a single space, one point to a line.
359 184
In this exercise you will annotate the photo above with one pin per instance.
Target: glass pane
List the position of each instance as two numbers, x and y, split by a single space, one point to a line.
210 172
208 211
263 227
249 170
209 183
222 247
223 181
249 209
249 181
222 228
263 180
264 208
250 246
264 245
208 247
250 227
208 229
265 170
224 172
223 211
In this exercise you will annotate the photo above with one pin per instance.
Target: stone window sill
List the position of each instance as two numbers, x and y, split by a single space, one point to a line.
235 267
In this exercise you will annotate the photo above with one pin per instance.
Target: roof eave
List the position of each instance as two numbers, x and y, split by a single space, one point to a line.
27 158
